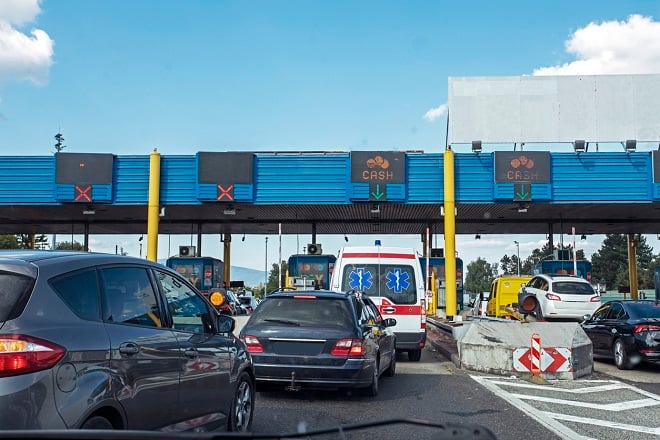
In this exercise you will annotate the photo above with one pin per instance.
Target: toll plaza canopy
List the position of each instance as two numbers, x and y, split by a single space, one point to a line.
521 187
357 192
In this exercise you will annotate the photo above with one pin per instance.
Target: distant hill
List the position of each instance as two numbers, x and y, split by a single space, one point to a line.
251 277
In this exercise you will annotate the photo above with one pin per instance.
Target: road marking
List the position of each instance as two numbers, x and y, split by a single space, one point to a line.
616 406
584 390
614 425
553 425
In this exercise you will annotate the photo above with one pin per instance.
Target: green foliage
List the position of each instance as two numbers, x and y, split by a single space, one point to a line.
9 242
610 262
274 273
69 246
480 274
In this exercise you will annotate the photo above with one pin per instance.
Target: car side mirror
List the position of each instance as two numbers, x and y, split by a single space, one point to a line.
389 322
225 324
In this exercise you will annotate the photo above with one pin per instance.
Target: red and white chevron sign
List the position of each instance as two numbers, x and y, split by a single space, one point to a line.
553 360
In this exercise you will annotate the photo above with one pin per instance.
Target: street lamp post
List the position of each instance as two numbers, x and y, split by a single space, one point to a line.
266 268
518 255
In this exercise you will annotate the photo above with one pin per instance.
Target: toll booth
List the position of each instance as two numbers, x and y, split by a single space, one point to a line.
310 271
205 273
437 283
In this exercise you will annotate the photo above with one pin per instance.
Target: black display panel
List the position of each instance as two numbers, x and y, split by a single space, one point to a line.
378 167
83 168
227 167
522 166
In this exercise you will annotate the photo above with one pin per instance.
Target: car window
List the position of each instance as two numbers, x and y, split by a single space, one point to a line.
601 313
303 312
14 292
616 312
543 284
645 310
189 312
573 288
367 315
130 297
533 283
373 310
80 291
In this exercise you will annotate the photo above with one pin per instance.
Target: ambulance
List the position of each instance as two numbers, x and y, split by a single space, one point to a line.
392 277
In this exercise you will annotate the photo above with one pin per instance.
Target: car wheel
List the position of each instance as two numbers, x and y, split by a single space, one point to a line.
621 356
97 422
242 406
414 355
391 370
539 314
372 390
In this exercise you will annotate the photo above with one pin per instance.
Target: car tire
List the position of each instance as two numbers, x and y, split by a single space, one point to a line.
372 390
391 370
97 422
621 359
414 355
539 314
242 405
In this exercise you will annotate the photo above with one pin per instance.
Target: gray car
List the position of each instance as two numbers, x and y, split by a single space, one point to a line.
112 342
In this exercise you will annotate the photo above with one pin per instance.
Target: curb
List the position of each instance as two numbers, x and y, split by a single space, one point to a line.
442 339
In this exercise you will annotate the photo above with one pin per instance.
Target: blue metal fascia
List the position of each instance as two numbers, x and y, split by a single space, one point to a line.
131 180
304 179
359 192
474 181
425 177
600 176
178 177
27 180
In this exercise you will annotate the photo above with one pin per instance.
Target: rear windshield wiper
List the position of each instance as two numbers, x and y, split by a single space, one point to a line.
283 321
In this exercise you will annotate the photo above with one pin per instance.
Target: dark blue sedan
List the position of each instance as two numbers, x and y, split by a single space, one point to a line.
320 339
627 331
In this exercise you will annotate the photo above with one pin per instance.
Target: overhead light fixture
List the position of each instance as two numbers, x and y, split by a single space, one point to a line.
522 208
89 211
583 237
375 211
345 238
243 239
579 146
630 145
477 237
476 147
229 211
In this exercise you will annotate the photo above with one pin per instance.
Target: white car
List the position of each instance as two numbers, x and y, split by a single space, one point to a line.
563 296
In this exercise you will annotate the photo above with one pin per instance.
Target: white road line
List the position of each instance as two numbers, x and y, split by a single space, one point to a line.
553 425
616 406
623 426
584 390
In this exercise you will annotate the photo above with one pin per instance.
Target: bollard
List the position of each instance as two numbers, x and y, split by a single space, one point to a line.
535 354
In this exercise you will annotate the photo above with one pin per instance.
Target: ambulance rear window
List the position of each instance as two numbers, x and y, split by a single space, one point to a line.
395 282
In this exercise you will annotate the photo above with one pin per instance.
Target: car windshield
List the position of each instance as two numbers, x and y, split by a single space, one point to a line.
304 312
572 287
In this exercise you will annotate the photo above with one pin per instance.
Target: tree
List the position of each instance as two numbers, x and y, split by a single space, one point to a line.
610 262
274 273
480 274
69 246
509 265
9 242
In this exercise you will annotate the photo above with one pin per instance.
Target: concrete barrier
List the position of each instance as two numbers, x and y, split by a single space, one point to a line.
500 347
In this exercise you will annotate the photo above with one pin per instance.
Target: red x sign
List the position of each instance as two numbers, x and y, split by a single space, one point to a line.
226 193
83 193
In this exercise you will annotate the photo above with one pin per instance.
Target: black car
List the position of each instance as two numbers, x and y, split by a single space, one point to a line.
320 339
627 331
98 341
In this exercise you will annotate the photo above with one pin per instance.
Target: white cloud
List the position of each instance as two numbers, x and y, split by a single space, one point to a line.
23 57
612 47
435 113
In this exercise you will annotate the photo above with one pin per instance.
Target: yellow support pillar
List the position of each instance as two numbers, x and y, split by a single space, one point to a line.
632 264
153 213
450 234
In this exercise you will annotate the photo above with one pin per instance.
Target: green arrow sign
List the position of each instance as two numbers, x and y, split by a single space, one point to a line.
375 193
522 192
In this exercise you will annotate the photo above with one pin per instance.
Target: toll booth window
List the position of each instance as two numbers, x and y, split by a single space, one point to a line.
192 271
395 282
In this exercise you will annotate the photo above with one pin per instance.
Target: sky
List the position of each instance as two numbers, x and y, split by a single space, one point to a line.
125 77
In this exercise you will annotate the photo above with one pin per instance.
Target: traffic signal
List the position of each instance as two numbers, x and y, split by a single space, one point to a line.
528 303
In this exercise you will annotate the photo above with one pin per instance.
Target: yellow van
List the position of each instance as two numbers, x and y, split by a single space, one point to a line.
504 293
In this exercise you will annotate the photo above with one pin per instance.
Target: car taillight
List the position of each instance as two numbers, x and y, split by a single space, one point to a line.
553 297
253 344
20 354
348 347
595 299
646 328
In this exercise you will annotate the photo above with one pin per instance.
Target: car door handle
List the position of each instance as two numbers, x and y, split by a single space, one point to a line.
191 353
129 348
388 309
